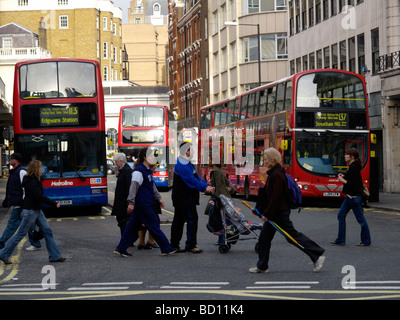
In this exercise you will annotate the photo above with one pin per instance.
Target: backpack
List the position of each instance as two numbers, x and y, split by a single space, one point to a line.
215 224
295 196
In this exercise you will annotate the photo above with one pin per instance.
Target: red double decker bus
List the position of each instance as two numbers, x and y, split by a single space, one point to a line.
148 126
312 118
59 119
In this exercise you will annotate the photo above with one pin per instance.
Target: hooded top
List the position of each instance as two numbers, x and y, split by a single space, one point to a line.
34 196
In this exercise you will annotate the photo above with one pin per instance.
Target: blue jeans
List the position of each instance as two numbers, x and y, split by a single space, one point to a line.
12 226
355 205
28 219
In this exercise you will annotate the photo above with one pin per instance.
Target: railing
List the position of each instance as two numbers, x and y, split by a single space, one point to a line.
389 61
24 53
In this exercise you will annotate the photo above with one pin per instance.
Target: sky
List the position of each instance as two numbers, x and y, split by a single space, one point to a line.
124 5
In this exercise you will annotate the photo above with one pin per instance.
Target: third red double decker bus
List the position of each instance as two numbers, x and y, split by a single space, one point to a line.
312 118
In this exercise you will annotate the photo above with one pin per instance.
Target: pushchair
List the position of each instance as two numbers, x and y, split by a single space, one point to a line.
225 220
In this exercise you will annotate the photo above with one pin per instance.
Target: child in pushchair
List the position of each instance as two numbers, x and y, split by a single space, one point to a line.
228 222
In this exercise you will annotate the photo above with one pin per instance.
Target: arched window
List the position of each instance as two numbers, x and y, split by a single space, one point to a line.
156 10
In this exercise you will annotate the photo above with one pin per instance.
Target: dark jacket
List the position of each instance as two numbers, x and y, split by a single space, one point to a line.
186 184
274 197
354 185
34 196
145 194
14 192
122 191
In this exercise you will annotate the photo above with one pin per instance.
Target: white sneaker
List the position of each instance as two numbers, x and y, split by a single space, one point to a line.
256 270
319 263
33 248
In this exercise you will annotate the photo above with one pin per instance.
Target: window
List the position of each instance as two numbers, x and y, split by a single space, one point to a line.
7 43
375 50
63 22
273 46
343 55
22 3
104 23
156 10
62 2
333 8
334 49
352 54
317 11
310 13
327 61
312 60
361 52
105 75
105 50
319 59
232 55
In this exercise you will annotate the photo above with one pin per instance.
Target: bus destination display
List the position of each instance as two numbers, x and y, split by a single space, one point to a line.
331 120
59 116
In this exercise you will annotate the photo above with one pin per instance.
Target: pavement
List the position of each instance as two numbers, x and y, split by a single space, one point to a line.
387 201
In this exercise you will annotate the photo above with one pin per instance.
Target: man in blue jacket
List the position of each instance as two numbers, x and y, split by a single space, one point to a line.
185 197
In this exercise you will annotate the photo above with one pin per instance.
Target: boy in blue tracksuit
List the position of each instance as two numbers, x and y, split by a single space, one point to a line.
141 196
185 197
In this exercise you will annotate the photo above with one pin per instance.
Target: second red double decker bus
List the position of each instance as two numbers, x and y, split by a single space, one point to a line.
312 118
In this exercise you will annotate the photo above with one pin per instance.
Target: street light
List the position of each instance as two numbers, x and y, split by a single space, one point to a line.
236 24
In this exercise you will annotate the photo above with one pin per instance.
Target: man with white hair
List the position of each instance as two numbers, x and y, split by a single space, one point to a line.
122 190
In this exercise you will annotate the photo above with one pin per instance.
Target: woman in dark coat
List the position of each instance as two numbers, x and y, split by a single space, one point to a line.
353 188
31 213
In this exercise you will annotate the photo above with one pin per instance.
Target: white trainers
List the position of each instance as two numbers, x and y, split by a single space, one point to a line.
256 270
33 248
319 263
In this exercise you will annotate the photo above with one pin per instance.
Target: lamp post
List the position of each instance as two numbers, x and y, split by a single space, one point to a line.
236 24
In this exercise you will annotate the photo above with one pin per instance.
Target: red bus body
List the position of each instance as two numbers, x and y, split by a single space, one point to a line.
65 130
326 125
149 126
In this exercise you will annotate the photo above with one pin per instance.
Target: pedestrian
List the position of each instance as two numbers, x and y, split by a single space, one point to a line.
151 243
185 197
274 205
122 190
140 206
222 185
14 200
353 189
31 213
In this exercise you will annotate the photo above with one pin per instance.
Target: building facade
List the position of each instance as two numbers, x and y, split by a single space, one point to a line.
352 35
90 29
248 45
145 38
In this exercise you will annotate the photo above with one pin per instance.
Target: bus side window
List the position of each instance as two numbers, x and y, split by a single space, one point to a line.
271 100
217 116
230 112
236 110
263 103
280 97
289 90
223 113
257 104
250 108
243 111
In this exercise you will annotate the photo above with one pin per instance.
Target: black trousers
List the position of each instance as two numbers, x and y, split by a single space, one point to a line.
313 250
182 215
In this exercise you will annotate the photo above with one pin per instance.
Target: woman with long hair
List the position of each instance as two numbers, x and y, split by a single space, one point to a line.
31 213
352 188
141 197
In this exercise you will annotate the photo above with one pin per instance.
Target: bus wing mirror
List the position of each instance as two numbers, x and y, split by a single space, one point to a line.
284 145
373 138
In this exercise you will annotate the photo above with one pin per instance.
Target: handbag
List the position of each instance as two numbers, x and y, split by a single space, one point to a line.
365 191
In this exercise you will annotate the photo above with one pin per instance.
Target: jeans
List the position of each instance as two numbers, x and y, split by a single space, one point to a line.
28 219
12 226
355 205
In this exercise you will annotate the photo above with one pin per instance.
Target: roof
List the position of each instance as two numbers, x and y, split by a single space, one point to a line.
15 28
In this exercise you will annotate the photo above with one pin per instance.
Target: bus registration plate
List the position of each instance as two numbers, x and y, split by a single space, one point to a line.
65 202
331 194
